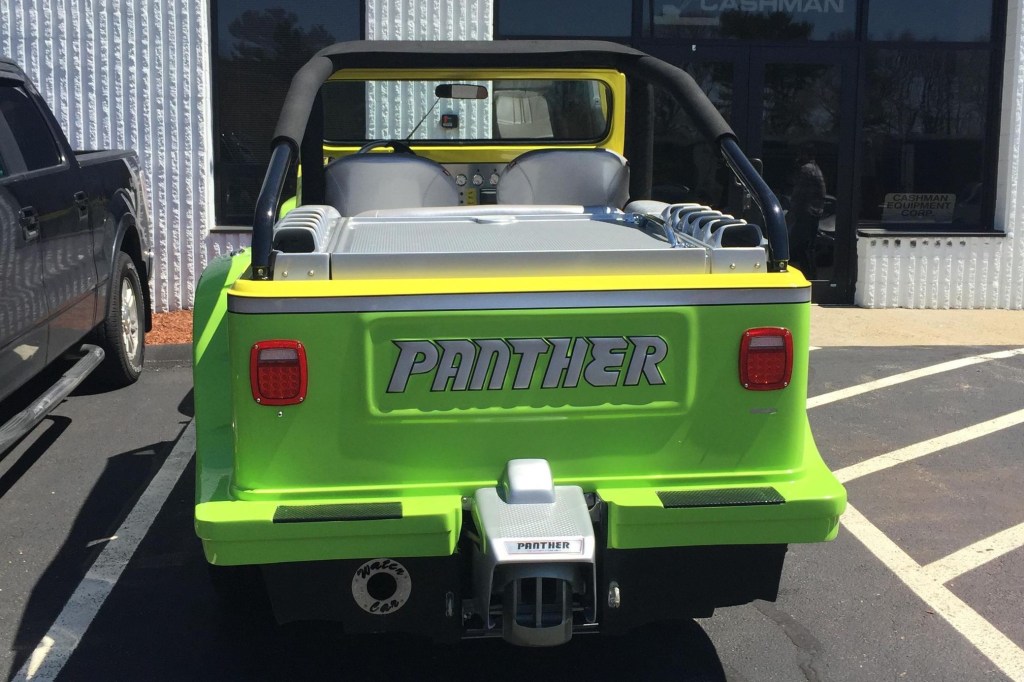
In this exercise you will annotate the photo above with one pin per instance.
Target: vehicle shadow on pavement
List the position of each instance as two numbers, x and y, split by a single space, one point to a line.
31 455
187 406
123 480
677 652
163 621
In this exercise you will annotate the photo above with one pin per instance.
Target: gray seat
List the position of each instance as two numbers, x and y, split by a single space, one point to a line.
364 182
588 177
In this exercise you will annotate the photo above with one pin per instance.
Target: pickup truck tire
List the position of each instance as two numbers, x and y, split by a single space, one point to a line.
121 332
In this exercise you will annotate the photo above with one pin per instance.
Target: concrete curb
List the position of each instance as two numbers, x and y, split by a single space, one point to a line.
166 355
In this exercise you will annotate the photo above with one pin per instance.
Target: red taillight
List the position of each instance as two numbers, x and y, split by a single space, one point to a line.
277 372
766 358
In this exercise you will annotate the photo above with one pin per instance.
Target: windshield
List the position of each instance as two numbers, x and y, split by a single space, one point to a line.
550 110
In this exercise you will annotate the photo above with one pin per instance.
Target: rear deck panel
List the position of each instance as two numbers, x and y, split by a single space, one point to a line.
440 400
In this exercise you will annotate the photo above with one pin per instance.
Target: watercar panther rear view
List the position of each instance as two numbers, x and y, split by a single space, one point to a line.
475 380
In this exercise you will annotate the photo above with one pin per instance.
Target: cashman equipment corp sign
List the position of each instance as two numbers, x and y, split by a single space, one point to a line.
918 208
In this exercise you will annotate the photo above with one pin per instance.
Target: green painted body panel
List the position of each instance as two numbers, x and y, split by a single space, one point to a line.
813 502
211 378
353 441
351 437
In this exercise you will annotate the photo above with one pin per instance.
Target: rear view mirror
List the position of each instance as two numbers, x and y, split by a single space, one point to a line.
458 91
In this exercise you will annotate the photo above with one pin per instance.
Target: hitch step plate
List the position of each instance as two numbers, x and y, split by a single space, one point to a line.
537 558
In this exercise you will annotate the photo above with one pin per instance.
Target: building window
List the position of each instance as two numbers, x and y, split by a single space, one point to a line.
926 134
564 19
687 167
258 47
775 20
946 20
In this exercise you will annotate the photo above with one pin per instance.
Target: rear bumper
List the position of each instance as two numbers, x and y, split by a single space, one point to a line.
805 508
238 532
319 557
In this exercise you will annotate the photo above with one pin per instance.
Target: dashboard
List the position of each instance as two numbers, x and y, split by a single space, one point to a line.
477 182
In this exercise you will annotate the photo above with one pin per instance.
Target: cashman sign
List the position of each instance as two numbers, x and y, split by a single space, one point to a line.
822 6
902 207
687 10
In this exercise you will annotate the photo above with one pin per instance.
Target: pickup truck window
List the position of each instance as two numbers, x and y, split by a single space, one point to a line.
33 135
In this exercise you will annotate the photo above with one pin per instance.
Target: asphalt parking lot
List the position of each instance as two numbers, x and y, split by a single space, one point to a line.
923 583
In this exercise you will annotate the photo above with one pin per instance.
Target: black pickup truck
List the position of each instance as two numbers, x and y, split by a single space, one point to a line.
75 254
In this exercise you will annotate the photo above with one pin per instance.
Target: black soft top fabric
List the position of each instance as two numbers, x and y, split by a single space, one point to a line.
490 54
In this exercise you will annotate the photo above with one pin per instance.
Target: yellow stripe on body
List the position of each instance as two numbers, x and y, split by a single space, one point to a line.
488 285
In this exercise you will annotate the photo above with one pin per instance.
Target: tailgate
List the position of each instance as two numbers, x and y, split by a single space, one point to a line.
436 400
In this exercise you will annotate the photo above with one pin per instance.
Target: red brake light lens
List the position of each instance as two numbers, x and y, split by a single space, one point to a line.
766 358
277 372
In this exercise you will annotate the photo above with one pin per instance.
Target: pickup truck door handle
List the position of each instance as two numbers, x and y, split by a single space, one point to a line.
82 201
29 219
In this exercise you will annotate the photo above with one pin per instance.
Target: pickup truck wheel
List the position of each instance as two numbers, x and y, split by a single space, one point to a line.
121 333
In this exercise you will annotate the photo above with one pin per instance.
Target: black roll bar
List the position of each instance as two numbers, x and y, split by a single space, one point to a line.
266 207
775 220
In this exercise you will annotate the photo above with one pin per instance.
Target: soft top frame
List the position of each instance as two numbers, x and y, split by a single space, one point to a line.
295 124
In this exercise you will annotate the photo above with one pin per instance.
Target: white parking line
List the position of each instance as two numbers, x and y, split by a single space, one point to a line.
1006 655
895 379
978 554
927 582
56 647
911 452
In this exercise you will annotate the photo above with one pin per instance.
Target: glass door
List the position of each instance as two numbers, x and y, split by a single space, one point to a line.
801 124
688 168
792 107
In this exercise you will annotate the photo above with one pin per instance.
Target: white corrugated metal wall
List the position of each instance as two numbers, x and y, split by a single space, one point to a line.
132 75
136 74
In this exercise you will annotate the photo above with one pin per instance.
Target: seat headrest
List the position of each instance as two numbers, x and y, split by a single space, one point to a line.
589 177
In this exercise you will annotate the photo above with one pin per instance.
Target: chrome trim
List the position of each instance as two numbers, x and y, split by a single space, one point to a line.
518 301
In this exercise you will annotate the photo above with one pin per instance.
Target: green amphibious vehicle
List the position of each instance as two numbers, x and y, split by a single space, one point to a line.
475 380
